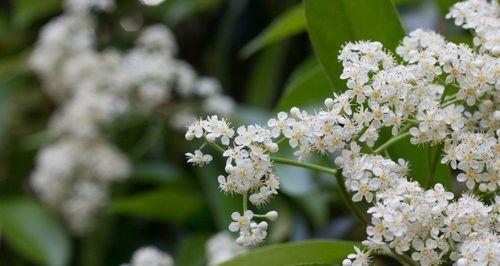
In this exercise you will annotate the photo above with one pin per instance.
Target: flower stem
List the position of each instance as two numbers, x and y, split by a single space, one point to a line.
245 202
391 141
311 166
347 200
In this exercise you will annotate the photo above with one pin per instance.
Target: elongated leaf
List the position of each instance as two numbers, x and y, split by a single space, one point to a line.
33 232
332 23
286 25
162 204
191 251
308 252
265 76
308 85
29 11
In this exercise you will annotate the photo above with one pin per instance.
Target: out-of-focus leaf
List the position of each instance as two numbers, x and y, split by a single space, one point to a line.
281 228
264 78
308 85
177 10
191 251
162 172
316 208
29 11
332 23
33 232
307 252
290 23
295 181
220 205
161 204
444 5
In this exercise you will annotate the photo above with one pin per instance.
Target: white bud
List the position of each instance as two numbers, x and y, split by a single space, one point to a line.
189 136
295 112
273 147
346 262
329 103
272 215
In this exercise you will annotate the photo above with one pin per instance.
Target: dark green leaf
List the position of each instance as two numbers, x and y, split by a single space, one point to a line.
191 251
332 23
288 24
33 232
29 11
161 204
265 76
307 252
156 171
308 85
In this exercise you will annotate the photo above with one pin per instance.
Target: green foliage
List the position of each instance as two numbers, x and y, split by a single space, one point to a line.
315 252
191 251
286 25
161 204
332 23
33 232
308 85
27 12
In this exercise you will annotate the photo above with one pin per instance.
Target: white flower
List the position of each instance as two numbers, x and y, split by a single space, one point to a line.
241 222
198 158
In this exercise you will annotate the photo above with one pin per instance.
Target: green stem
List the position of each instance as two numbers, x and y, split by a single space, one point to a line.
391 141
450 103
347 199
311 166
245 202
215 146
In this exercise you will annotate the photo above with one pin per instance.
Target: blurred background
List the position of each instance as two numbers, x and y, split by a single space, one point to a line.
255 49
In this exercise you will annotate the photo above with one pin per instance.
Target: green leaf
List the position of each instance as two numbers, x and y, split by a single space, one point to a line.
156 171
302 253
28 11
161 204
286 25
33 232
265 77
191 251
332 23
308 85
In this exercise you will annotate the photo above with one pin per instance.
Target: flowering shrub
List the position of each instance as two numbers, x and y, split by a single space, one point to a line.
438 93
93 89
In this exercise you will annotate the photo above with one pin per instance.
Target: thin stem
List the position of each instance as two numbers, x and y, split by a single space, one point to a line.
245 202
216 146
391 141
450 103
305 165
347 199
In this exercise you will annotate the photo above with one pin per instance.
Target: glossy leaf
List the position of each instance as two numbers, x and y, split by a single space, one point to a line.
308 85
161 204
308 252
286 25
33 232
332 23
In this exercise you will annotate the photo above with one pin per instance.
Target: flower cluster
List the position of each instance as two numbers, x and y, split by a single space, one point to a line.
150 256
482 17
93 88
443 95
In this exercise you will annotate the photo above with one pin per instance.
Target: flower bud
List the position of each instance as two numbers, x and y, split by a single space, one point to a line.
295 112
272 216
346 262
262 226
189 136
329 103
